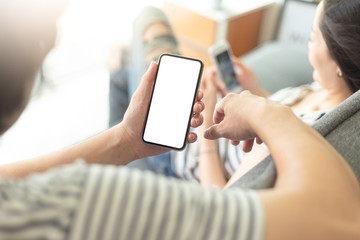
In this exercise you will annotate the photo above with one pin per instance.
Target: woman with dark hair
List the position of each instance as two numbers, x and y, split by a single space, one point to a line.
84 200
334 54
340 27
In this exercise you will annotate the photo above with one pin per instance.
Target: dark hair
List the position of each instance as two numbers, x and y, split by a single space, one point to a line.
340 27
27 33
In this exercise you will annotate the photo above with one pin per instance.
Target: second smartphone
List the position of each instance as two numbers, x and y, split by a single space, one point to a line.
221 56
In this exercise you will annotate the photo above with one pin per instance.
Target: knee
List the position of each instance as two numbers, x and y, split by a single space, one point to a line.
150 11
149 14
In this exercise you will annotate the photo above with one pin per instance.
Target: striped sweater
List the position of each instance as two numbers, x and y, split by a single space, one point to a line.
81 201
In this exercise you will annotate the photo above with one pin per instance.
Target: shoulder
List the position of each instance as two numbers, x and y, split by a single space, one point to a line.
291 95
133 204
41 206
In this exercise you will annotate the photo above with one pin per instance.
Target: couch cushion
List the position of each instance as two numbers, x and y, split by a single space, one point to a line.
278 65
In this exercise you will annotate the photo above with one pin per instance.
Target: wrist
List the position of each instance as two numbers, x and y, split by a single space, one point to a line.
272 119
208 150
207 146
123 144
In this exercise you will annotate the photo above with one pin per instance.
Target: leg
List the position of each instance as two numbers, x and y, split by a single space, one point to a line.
152 35
118 89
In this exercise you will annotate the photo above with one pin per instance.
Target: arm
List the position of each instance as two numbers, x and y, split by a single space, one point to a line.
118 145
248 80
310 194
211 166
307 202
111 146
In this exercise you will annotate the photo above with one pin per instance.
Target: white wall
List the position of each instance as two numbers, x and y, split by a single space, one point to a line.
270 21
74 103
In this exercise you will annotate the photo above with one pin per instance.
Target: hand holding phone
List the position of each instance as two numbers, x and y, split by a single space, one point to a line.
221 56
173 96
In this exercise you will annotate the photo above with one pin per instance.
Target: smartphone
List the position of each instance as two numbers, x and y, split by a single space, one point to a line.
221 56
172 99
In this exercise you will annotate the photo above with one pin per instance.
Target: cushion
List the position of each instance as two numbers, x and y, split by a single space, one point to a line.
278 65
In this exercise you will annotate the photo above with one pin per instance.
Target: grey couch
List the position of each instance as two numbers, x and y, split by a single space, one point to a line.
284 61
340 127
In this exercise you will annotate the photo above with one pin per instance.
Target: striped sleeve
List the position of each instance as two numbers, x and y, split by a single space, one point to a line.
41 206
118 203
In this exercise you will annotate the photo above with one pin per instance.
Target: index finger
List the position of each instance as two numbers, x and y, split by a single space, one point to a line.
212 132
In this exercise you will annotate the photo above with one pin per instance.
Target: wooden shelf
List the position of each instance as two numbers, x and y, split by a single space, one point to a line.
197 29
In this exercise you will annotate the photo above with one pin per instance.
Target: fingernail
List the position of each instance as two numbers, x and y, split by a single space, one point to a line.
200 107
151 65
205 134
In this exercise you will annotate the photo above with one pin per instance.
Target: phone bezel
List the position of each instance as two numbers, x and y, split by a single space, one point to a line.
191 109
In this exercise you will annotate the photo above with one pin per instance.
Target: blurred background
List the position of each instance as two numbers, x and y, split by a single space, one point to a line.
72 105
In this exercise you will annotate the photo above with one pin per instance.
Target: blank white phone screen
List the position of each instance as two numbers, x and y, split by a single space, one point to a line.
172 101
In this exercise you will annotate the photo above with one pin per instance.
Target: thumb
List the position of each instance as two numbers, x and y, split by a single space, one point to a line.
151 72
147 80
212 132
238 62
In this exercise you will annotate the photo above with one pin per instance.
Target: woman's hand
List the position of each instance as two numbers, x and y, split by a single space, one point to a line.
210 73
135 116
247 79
210 86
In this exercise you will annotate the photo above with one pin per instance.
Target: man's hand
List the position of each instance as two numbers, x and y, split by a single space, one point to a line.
134 118
235 118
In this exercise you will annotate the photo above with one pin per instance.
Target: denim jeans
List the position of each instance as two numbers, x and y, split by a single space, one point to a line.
124 83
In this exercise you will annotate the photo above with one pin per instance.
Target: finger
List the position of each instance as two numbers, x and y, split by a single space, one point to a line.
198 107
238 62
203 84
235 143
212 69
192 137
150 74
209 81
220 86
219 113
199 96
147 81
212 132
258 140
223 92
248 144
197 120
